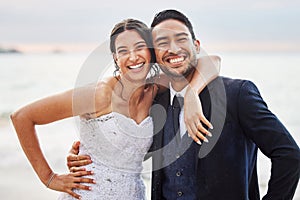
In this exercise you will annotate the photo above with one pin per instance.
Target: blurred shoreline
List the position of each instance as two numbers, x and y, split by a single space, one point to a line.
232 47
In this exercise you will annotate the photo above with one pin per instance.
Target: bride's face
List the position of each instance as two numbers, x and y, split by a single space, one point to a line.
132 55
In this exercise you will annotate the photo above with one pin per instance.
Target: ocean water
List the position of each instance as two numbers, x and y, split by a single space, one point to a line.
27 77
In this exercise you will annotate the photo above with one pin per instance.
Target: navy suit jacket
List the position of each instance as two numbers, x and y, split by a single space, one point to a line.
226 166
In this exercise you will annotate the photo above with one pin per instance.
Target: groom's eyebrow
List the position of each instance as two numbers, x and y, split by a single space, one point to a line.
181 34
160 38
176 35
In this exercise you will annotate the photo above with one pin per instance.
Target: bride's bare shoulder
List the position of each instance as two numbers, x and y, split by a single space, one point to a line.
105 86
104 89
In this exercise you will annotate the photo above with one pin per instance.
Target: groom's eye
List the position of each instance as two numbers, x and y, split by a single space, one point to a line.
182 39
162 44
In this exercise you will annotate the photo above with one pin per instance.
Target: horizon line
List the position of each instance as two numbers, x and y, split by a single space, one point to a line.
212 47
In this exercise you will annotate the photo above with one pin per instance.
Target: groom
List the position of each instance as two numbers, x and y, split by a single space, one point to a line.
226 167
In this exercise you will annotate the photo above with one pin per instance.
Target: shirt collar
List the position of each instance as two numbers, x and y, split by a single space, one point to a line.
173 92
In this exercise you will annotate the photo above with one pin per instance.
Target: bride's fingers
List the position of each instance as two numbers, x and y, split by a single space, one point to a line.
197 131
78 177
84 180
193 128
202 137
82 173
73 194
203 130
205 121
81 187
193 136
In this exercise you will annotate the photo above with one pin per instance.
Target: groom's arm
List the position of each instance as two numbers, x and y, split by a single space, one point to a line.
273 139
77 162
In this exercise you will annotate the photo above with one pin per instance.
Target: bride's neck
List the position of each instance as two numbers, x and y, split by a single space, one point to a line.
128 89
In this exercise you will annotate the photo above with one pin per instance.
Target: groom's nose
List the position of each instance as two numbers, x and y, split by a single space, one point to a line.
173 47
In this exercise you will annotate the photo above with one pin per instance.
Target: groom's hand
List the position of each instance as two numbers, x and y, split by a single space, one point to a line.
76 162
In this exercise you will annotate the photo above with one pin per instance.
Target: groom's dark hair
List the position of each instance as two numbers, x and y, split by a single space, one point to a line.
173 14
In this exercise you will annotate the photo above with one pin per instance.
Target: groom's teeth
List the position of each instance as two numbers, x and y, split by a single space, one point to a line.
176 60
135 66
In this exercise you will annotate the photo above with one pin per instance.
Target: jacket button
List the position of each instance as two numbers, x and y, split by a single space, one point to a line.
178 173
179 193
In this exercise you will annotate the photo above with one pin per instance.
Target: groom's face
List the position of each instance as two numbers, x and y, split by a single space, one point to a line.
175 49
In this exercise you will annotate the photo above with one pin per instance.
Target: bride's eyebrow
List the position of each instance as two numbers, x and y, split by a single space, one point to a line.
140 42
121 47
126 47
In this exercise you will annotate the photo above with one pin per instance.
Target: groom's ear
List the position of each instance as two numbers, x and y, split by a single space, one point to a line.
197 45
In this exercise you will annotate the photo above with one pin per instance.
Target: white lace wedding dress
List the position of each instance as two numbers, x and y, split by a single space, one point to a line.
117 146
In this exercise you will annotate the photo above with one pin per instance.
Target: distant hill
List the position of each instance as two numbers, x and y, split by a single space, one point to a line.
9 50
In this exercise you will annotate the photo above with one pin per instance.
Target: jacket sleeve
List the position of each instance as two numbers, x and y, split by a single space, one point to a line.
274 141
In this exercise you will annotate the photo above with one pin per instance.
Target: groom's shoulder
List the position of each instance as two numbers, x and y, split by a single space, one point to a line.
228 81
231 83
232 87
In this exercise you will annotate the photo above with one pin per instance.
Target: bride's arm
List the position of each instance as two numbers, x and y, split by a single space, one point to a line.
44 111
208 68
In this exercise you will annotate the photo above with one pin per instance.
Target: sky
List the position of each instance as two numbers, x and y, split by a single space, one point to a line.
33 25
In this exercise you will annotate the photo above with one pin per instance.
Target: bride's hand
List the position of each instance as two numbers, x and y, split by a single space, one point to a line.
194 118
68 182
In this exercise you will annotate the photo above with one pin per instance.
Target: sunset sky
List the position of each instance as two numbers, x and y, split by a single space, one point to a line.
33 25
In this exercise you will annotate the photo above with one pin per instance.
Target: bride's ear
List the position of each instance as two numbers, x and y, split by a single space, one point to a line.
115 57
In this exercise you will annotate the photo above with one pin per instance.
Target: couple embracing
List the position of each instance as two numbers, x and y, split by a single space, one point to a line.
119 129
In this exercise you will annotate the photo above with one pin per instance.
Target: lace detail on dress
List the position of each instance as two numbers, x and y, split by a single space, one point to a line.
117 146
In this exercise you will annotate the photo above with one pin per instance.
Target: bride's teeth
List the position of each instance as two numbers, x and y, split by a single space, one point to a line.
136 66
176 60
